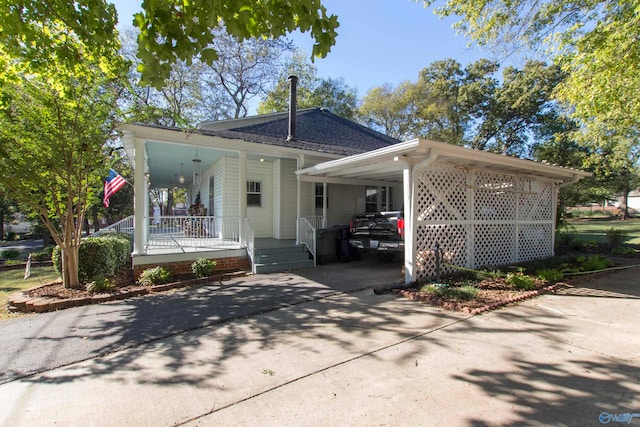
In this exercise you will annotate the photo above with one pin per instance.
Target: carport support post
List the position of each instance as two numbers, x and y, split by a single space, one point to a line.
409 222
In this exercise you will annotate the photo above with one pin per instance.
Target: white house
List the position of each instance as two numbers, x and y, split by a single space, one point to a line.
272 180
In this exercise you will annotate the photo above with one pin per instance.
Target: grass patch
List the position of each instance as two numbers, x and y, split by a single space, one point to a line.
596 230
11 281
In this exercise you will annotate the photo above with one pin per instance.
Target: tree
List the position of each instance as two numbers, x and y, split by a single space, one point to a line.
182 30
521 110
449 100
176 104
594 41
244 70
389 110
170 31
333 94
54 122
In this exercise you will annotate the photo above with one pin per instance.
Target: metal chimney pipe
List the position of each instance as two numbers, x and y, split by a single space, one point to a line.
293 83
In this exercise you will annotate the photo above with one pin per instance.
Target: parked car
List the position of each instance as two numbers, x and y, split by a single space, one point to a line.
379 232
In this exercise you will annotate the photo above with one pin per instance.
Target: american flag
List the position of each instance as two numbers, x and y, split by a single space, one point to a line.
112 184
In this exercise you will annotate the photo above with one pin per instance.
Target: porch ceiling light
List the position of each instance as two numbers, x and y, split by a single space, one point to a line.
181 177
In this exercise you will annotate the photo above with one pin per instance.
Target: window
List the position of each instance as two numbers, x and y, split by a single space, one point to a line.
371 199
319 191
387 198
254 193
378 199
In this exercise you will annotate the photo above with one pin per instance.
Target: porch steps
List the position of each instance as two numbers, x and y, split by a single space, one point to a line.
271 260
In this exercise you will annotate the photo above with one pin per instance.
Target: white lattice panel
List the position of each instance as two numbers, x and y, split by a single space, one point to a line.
441 194
452 240
536 201
494 244
480 218
535 241
495 199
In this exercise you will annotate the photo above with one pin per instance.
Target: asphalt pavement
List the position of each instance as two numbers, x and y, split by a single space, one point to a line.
319 348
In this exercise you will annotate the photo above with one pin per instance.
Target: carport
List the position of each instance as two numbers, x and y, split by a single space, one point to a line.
480 208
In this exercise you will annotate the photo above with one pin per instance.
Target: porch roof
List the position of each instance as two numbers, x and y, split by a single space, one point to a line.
320 136
386 165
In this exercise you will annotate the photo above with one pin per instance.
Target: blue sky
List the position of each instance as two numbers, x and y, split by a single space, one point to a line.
379 41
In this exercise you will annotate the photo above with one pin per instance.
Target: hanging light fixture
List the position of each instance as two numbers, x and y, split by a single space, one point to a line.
196 171
181 177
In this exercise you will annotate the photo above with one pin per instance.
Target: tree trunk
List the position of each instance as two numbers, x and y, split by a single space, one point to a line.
96 223
70 267
1 224
624 204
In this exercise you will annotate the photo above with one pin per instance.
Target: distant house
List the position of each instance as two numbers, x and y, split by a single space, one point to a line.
261 183
633 201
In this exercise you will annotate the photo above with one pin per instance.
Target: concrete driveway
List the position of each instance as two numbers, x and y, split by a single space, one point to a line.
354 358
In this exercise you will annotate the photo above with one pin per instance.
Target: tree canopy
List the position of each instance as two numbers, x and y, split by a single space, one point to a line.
170 31
178 30
594 41
54 124
312 91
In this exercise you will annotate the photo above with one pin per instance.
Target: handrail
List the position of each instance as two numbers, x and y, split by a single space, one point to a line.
317 221
123 226
308 236
248 241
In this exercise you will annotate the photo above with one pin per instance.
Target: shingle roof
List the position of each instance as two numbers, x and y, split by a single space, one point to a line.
316 130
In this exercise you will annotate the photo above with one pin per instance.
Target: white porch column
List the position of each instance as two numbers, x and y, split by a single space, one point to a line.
242 191
408 194
140 199
325 199
298 201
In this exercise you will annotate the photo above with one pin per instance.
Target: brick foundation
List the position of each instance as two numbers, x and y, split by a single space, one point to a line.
184 267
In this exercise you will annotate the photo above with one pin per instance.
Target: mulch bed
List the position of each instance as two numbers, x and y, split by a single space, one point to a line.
54 296
493 293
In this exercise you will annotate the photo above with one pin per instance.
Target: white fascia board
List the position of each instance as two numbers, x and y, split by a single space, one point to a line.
364 158
206 141
497 160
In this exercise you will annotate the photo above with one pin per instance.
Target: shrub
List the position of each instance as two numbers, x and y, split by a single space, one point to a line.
10 254
154 276
101 256
616 237
550 275
520 281
594 263
203 267
100 284
466 292
43 255
435 288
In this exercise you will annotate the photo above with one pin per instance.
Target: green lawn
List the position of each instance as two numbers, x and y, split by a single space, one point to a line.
595 230
11 281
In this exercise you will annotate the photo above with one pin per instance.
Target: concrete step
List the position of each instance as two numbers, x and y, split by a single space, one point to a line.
283 266
281 251
281 259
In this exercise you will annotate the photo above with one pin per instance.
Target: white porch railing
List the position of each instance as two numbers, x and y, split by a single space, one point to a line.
248 242
193 231
317 221
122 226
308 236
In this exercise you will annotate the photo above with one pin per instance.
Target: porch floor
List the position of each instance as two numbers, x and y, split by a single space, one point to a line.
161 245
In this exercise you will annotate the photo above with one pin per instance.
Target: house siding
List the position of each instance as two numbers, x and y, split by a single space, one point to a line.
289 185
277 199
261 218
